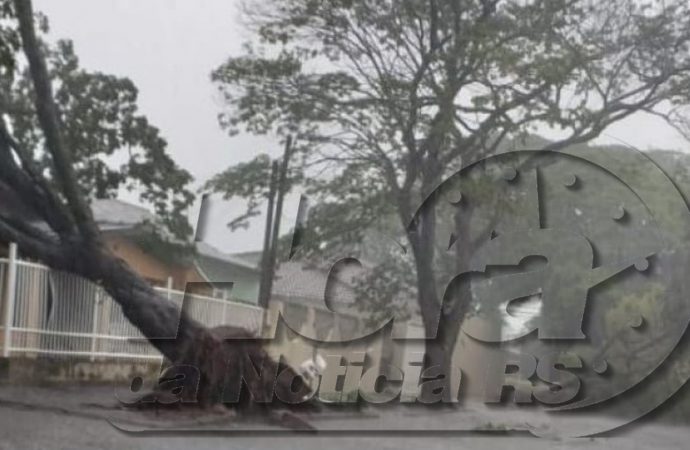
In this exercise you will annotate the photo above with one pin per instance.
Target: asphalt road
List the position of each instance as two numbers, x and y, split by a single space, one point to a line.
77 418
36 429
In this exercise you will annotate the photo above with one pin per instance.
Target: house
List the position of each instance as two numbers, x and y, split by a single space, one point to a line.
298 289
61 314
53 311
299 292
218 269
128 231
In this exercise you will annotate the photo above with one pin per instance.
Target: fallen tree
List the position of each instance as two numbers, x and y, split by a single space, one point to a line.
67 238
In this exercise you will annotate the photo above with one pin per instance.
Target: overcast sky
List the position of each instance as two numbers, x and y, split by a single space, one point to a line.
169 47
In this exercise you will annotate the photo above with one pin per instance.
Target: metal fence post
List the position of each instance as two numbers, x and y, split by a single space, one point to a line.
10 298
225 306
94 328
170 287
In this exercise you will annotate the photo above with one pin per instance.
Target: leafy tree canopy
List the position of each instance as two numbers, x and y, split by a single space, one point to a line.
113 145
387 97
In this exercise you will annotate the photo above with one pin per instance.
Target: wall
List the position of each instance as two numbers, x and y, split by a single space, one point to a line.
28 370
152 268
245 281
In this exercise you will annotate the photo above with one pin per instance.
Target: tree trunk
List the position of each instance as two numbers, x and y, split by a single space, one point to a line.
444 327
181 339
422 239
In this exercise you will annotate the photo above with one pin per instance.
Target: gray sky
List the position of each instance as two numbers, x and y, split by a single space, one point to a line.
169 47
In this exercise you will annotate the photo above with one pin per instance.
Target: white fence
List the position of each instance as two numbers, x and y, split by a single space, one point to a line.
56 313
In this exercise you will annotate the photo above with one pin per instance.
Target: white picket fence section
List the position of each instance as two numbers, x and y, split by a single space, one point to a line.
55 313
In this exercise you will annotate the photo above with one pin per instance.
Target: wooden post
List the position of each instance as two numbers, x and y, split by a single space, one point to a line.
10 298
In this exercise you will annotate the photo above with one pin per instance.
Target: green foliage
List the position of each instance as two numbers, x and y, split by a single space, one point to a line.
388 285
350 205
101 127
9 39
396 94
387 98
250 181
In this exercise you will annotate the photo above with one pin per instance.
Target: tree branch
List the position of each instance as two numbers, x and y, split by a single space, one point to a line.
49 120
31 186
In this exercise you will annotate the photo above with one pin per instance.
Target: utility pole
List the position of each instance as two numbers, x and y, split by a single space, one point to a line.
276 195
264 294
